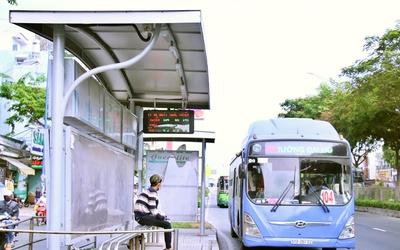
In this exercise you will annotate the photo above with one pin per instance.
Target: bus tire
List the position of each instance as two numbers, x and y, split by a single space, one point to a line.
242 246
233 234
325 248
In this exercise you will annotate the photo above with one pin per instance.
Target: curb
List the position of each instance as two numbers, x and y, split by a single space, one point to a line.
213 244
380 211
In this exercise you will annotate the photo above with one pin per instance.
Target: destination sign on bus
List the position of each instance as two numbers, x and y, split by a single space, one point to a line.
303 148
168 121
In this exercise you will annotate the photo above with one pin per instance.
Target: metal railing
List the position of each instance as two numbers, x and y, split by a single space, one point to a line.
377 193
152 236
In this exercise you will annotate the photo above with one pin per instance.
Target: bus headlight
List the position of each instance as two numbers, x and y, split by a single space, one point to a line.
348 230
250 228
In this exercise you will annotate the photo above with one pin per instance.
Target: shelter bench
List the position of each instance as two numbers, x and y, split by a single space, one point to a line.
133 240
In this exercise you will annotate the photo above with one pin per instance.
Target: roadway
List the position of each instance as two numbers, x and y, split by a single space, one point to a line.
372 231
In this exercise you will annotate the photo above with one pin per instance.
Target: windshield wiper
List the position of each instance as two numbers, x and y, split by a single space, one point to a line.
324 206
279 201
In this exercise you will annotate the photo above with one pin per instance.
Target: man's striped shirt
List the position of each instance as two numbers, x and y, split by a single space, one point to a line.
147 203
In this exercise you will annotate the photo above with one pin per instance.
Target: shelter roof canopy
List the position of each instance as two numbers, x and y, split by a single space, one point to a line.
173 74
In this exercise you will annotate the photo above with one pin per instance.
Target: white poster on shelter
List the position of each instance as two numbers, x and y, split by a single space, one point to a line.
179 171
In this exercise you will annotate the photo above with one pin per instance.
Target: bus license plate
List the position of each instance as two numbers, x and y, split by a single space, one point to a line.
301 242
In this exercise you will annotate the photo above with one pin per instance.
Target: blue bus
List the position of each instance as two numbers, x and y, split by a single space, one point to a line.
291 185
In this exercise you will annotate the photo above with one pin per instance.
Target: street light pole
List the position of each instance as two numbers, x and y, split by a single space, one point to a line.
319 77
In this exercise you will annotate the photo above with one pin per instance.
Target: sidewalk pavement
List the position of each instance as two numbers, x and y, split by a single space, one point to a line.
189 239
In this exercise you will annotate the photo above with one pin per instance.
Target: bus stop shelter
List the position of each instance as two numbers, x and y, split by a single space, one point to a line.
154 58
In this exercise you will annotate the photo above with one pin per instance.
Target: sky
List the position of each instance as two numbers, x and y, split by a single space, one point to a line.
262 52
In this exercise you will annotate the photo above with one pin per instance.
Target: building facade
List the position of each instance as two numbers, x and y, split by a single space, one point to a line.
22 52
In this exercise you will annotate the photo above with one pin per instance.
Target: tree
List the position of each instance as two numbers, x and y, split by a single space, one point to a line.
365 109
310 106
28 99
375 82
389 155
334 103
344 114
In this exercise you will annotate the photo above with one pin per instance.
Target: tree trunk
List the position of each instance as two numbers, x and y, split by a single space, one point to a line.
397 167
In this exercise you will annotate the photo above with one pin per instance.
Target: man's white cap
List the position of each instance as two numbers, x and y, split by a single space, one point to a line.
4 191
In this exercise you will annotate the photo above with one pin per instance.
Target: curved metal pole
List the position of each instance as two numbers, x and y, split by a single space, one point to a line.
120 65
99 42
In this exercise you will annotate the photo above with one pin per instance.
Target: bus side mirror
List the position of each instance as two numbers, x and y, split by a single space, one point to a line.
242 171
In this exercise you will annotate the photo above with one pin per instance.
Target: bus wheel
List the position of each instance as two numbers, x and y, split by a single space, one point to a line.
233 234
328 248
242 246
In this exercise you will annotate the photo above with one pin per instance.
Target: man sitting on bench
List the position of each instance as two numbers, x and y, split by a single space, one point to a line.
146 212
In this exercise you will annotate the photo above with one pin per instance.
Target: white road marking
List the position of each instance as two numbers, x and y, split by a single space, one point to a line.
378 229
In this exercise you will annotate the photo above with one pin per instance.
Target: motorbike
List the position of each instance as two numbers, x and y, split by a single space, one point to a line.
41 213
20 201
3 235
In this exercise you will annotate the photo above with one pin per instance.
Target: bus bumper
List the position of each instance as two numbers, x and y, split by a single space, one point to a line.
306 243
223 203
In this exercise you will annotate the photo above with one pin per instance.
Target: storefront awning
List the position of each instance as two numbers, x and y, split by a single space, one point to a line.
24 169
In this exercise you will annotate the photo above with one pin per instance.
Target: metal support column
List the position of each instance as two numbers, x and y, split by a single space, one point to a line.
139 150
55 188
203 188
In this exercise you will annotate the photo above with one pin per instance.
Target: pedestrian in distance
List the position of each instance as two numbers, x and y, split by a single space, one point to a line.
42 198
147 212
38 194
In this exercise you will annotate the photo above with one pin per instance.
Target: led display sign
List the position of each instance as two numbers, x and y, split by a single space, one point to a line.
303 148
168 121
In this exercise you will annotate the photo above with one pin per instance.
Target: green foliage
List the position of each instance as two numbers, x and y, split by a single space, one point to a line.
189 225
333 103
392 205
207 192
389 155
12 2
309 107
365 108
181 225
375 82
28 99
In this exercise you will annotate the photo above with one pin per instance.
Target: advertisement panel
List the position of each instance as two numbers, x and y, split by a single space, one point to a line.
99 186
178 193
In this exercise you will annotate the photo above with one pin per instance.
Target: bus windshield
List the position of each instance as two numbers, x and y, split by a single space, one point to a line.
299 181
223 184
